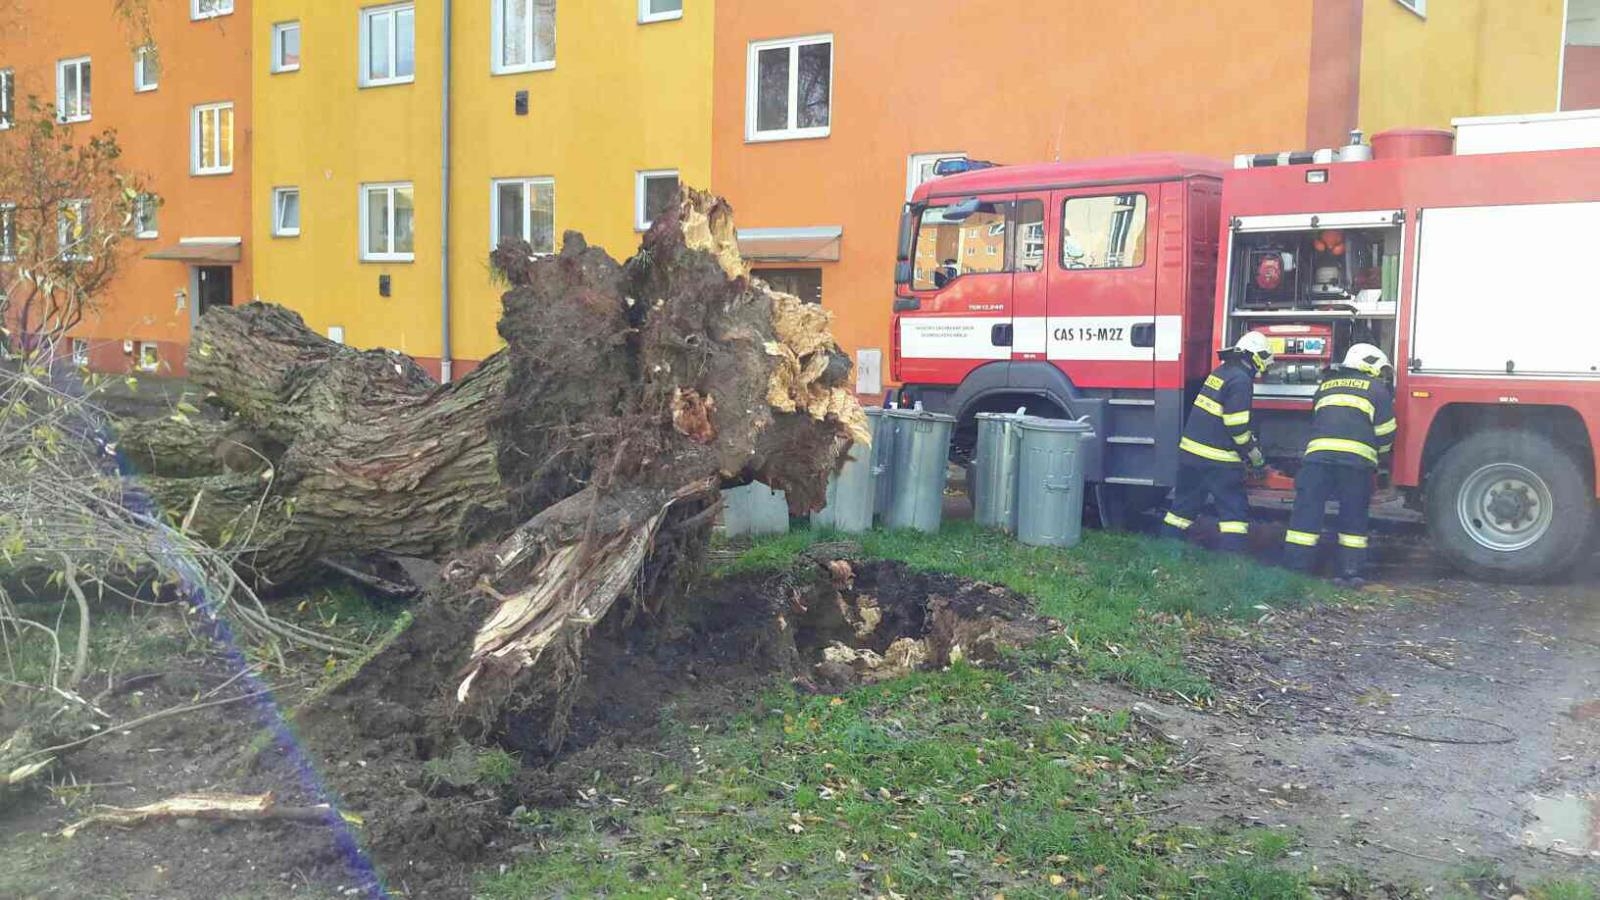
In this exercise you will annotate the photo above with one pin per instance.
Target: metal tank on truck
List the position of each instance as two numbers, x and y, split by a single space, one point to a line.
1114 282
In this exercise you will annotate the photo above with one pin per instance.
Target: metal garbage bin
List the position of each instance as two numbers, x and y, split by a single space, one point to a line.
921 466
754 509
992 484
882 459
1050 481
852 494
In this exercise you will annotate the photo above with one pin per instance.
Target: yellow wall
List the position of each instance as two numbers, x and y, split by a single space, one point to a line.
622 97
1467 58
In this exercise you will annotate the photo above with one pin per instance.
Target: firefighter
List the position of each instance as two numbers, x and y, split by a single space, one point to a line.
1217 442
1352 428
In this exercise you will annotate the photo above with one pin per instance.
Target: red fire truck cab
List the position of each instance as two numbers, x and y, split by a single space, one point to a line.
1104 289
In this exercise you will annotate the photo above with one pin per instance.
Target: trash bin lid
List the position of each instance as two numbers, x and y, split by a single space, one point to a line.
1038 423
874 411
922 415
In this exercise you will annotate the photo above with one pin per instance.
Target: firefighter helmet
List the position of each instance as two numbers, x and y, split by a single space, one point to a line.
1368 359
1255 348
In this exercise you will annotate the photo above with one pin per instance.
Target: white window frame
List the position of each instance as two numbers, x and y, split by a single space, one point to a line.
390 255
196 14
527 184
914 164
646 17
61 89
139 203
8 98
65 249
8 211
80 352
364 35
640 179
146 77
497 66
278 228
197 166
1420 7
278 66
153 366
752 91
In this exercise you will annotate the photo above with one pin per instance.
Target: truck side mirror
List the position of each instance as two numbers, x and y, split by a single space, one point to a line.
902 272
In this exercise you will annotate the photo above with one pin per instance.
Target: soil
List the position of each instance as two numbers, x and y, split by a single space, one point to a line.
423 838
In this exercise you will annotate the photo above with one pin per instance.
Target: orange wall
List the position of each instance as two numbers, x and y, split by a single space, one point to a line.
1040 82
201 62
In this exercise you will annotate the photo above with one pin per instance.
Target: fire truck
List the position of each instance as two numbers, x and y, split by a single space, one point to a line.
1103 289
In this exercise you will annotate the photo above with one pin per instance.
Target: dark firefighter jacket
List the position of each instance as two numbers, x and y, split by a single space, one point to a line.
1218 431
1352 422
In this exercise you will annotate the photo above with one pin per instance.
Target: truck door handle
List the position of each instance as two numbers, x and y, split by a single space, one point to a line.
1143 334
1000 335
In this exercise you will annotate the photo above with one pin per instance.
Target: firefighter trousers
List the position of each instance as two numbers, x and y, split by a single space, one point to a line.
1224 486
1316 484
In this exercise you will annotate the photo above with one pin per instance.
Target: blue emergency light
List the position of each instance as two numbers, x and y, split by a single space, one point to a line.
955 165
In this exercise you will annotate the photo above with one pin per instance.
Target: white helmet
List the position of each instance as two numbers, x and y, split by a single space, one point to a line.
1255 347
1367 358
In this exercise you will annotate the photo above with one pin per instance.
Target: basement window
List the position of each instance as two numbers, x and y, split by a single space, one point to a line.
653 192
212 139
388 217
524 36
660 10
525 210
389 45
789 90
149 356
80 353
146 69
73 83
8 232
209 9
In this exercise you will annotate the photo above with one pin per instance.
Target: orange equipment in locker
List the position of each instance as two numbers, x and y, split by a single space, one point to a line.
1300 352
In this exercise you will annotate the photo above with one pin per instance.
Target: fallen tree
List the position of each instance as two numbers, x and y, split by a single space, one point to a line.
578 466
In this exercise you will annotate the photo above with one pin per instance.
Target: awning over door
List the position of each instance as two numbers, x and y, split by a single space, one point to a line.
203 251
816 244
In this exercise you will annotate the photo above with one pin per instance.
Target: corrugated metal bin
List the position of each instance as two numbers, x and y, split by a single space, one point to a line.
1050 481
852 494
921 465
754 509
993 487
882 459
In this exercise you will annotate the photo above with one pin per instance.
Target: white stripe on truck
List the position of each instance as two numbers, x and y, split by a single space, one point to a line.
1104 338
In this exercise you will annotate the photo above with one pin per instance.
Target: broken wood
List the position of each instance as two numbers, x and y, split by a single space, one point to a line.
211 806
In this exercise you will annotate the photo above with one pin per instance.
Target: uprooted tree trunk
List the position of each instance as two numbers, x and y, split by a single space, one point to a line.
627 395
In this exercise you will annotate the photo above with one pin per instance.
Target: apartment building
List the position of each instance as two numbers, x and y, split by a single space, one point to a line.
828 113
180 105
554 115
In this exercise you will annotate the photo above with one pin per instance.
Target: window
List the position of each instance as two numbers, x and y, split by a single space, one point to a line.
286 47
209 9
149 356
388 45
660 10
978 240
653 193
524 35
80 353
144 216
72 230
803 283
1103 232
1420 7
8 99
8 232
73 84
525 209
790 89
286 212
146 69
388 213
919 169
212 139
1030 236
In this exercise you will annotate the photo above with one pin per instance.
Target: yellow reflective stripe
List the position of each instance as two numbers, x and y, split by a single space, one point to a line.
1353 541
1238 418
1353 402
1386 428
1177 521
1242 439
1342 445
1214 382
1209 405
1234 527
1205 452
1385 448
1302 538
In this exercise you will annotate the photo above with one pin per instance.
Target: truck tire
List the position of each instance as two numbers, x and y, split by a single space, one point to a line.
1510 505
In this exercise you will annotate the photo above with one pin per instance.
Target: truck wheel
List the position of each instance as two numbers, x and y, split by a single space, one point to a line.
1509 505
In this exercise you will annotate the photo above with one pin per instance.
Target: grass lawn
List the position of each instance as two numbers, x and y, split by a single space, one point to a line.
962 783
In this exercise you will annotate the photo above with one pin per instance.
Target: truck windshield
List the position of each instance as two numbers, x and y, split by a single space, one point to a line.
946 249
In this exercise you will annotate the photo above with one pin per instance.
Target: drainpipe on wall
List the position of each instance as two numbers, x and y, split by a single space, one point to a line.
444 207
